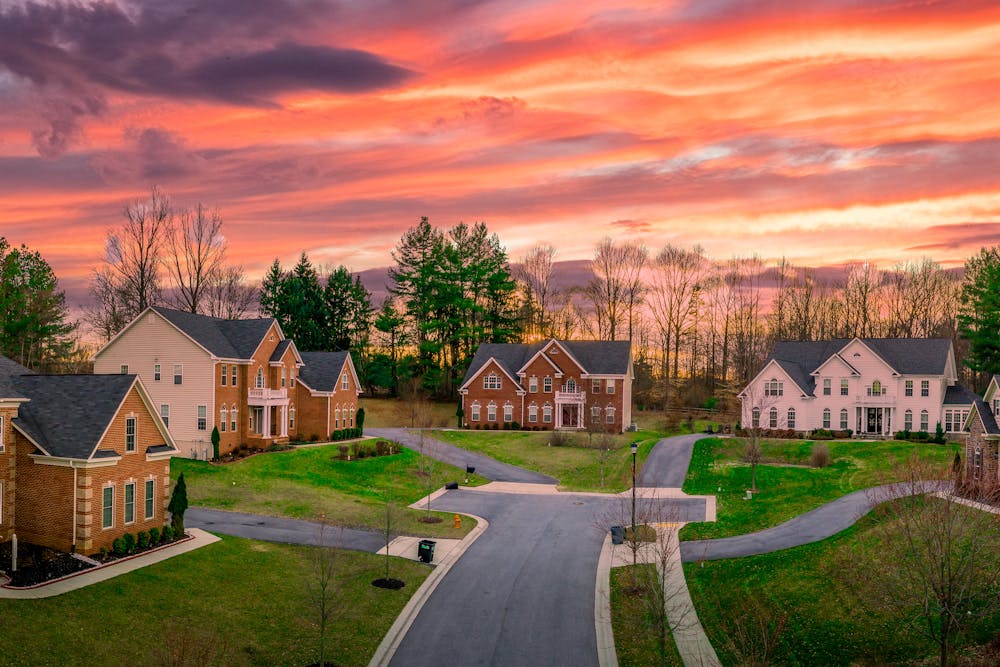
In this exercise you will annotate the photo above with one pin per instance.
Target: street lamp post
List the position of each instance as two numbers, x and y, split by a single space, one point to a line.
635 447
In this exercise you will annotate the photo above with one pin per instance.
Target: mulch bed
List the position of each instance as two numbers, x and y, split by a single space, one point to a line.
37 564
245 453
391 584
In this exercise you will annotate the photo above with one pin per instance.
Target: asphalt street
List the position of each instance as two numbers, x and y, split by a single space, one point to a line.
667 465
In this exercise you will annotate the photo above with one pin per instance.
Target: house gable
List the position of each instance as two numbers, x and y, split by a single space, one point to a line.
772 369
867 361
835 365
491 365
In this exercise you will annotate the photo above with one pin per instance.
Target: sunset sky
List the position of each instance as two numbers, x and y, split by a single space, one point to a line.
822 131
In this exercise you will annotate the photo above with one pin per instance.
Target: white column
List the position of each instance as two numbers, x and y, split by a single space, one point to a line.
284 421
265 430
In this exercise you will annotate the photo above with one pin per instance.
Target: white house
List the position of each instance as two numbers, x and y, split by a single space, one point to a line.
872 386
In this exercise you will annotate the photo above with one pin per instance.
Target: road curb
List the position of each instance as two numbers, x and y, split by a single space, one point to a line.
394 637
606 654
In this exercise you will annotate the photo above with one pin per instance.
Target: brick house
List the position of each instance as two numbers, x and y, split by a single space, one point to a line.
872 386
327 393
554 384
85 459
240 376
982 448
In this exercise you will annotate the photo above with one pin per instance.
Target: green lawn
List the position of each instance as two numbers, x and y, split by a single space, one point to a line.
577 466
826 624
787 487
635 637
235 602
308 482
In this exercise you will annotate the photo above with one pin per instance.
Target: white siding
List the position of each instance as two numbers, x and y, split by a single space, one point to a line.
151 340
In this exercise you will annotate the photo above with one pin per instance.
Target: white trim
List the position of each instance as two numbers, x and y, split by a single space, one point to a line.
877 355
788 377
65 462
147 498
541 351
128 483
836 355
503 370
106 486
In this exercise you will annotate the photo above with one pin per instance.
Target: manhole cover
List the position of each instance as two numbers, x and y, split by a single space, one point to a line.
577 502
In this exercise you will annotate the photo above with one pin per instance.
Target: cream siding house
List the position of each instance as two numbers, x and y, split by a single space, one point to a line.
870 386
177 372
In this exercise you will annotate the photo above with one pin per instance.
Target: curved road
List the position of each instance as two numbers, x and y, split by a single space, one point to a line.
460 458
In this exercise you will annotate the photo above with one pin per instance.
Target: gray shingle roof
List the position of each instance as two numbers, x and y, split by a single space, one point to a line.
908 356
599 357
8 370
958 395
67 414
989 421
279 351
229 339
322 369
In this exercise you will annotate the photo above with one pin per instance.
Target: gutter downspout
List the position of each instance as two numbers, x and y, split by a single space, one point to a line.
73 542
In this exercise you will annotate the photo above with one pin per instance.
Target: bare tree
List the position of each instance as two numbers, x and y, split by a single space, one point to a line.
197 249
862 301
934 563
322 590
535 275
920 300
743 278
131 277
752 626
757 406
616 288
228 295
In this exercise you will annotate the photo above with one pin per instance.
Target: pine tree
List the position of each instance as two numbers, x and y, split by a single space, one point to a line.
979 315
178 505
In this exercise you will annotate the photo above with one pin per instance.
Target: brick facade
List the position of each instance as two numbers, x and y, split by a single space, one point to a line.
982 452
333 406
8 472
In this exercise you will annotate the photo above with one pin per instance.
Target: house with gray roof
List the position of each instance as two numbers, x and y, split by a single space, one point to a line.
241 377
91 458
551 384
870 386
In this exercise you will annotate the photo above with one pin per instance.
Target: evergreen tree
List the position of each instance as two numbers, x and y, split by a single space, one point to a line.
348 311
390 323
416 278
979 314
216 439
178 505
33 330
272 293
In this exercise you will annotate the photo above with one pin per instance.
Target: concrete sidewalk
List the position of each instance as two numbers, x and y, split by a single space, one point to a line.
198 538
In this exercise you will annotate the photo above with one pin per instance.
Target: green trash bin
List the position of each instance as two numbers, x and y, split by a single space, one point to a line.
425 551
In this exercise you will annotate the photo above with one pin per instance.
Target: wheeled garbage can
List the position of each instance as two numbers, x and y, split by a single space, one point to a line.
426 550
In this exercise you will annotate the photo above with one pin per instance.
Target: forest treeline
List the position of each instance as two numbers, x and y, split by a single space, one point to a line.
700 326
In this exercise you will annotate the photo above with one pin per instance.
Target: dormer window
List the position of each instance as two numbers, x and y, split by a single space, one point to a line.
774 388
491 381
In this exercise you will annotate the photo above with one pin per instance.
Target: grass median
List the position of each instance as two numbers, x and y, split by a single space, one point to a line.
310 482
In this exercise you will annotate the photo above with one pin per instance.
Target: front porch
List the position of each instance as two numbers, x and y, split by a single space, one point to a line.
268 416
570 406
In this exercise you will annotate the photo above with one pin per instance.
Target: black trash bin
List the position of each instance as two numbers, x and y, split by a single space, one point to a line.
426 550
617 534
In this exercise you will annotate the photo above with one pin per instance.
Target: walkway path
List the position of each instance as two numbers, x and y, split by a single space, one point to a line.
460 458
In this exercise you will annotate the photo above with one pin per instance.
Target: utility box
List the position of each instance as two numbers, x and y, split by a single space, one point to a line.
425 550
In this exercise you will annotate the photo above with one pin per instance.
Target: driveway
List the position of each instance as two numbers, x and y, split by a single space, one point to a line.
667 465
280 529
460 458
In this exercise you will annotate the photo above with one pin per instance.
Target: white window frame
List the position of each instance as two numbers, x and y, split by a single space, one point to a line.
106 508
291 378
284 376
336 418
178 373
826 418
595 386
925 388
547 384
595 414
232 375
124 369
131 439
827 386
844 419
508 412
908 388
977 463
947 421
258 382
129 506
491 412
908 420
755 418
492 381
345 382
149 499
225 374
233 421
533 384
772 418
532 413
609 414
165 414
291 417
924 421
774 387
609 386
475 411
201 418
570 386
156 372
790 418
845 387
547 413
223 418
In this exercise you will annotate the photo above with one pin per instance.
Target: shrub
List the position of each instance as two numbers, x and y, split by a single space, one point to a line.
359 417
314 437
168 534
821 434
496 426
102 553
920 436
118 546
515 426
938 435
154 535
129 540
344 451
381 448
215 443
560 439
142 539
820 457
178 505
359 451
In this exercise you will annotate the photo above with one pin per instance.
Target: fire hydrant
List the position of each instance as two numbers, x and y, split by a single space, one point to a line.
458 521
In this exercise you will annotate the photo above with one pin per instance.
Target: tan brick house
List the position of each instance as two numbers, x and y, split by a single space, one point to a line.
85 459
554 384
240 376
327 393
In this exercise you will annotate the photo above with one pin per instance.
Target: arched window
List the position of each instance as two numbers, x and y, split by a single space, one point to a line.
908 420
791 418
570 386
491 381
609 414
923 420
491 412
877 389
223 419
336 417
532 413
475 411
843 419
352 416
508 412
291 418
547 413
259 380
774 388
772 418
232 419
756 418
826 418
